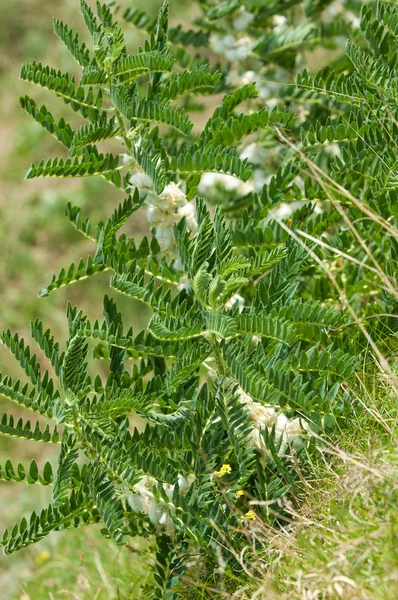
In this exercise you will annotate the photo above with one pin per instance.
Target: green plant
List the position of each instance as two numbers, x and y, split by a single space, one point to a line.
241 365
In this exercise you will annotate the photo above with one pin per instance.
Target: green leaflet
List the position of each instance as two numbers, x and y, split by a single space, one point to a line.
65 87
23 430
61 130
31 475
71 40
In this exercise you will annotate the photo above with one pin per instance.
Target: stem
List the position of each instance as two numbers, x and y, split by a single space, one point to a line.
218 356
124 130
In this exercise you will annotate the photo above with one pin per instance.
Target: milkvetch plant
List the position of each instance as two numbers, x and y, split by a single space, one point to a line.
247 357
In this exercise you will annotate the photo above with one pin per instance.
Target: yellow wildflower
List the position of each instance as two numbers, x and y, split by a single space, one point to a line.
239 493
251 515
42 557
225 470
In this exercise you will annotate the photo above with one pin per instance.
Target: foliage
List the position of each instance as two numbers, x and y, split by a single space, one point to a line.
248 357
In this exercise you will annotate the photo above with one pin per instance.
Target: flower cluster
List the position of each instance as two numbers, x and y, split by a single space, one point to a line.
167 209
159 512
242 19
232 48
288 432
209 181
225 470
257 155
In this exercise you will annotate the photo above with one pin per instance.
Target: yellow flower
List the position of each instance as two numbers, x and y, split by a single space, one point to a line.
239 493
42 557
251 515
225 470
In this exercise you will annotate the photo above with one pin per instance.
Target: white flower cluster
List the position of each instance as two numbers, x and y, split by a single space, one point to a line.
159 512
291 432
231 47
267 90
208 182
164 210
337 11
243 19
167 209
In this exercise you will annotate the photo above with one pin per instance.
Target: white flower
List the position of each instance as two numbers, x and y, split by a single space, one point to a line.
235 299
126 158
154 512
271 102
233 78
167 209
279 22
263 91
137 503
333 11
282 211
189 212
288 432
165 236
263 416
184 284
209 181
294 433
254 153
232 48
167 522
169 489
243 19
141 180
353 19
159 512
240 50
220 44
333 149
141 498
184 483
248 77
172 197
154 215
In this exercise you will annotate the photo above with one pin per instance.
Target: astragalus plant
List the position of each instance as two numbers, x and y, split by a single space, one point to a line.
210 416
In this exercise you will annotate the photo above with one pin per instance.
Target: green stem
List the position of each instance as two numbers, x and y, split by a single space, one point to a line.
218 357
123 129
